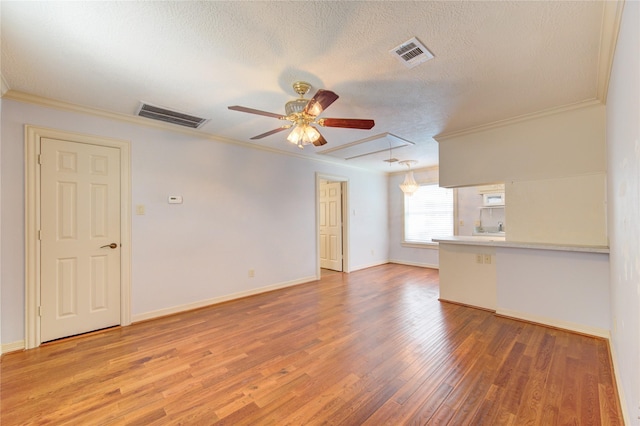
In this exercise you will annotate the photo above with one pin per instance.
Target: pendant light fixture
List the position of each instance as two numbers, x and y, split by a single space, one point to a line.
409 186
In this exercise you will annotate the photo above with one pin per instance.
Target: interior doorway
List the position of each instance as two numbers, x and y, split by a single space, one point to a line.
77 234
332 223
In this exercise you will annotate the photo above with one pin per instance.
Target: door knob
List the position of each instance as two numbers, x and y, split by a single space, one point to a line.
111 246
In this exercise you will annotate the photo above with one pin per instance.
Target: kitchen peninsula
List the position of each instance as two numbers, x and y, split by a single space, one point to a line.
563 286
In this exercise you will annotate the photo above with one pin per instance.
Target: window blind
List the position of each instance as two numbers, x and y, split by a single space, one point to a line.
428 213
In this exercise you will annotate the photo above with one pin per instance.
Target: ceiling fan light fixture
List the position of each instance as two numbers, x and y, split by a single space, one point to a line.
296 106
296 135
316 109
409 186
311 134
303 134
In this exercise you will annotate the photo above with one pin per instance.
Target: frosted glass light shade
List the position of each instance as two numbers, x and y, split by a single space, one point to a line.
409 186
303 135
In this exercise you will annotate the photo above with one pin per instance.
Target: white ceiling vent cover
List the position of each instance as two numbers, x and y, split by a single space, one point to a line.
168 116
411 53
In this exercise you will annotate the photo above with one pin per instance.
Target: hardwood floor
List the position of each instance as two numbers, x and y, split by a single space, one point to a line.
373 347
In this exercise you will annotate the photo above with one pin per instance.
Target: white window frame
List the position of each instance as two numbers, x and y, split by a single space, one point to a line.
430 245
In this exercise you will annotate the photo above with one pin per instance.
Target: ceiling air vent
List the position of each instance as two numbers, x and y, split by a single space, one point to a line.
411 53
174 117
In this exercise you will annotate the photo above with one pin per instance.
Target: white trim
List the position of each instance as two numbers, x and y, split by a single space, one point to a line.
621 398
141 121
565 325
344 190
4 86
430 246
611 18
420 264
216 300
513 120
370 265
33 135
12 347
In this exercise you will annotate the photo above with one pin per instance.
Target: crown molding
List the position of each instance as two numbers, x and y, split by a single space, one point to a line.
611 18
141 121
4 88
426 169
518 119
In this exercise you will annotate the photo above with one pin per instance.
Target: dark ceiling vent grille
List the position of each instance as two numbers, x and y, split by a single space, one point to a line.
411 53
168 116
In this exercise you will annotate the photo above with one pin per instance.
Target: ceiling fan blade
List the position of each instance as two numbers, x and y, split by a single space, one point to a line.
348 123
320 101
320 141
254 111
272 132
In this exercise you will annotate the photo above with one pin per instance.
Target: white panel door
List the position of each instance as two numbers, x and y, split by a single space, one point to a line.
80 238
331 226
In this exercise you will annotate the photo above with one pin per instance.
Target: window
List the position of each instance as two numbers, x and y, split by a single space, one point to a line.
428 213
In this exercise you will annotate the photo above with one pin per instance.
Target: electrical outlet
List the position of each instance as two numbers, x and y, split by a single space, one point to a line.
478 258
462 223
252 273
487 259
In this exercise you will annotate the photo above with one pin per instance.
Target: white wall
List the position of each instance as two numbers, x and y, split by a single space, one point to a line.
562 289
566 143
407 254
569 210
1 221
243 209
544 160
623 138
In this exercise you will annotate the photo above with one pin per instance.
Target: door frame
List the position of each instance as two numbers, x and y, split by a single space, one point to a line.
344 186
33 137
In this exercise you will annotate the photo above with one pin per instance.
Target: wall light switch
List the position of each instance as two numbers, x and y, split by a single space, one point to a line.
487 259
140 209
478 258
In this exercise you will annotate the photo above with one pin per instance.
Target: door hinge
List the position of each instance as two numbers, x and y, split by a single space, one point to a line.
40 310
39 235
40 159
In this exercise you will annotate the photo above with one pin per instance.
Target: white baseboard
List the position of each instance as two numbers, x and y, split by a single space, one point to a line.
565 325
621 399
420 264
208 302
371 265
12 347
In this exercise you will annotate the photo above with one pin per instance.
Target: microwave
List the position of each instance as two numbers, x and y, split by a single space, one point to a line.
493 199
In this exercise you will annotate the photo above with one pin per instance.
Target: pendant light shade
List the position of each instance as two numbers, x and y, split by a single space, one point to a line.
409 186
303 134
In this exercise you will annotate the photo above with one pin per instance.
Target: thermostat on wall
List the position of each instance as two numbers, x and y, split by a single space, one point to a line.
175 199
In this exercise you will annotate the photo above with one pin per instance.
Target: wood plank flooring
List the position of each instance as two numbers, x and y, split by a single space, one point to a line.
374 347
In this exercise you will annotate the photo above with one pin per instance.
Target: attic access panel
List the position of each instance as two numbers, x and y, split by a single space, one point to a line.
368 146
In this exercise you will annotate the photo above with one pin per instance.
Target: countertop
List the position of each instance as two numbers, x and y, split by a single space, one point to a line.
494 241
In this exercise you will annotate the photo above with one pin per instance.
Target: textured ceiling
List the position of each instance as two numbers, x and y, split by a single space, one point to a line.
493 61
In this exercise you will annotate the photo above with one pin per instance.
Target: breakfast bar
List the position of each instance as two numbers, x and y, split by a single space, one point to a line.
565 286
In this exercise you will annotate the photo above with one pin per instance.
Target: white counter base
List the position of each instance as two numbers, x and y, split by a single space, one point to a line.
561 286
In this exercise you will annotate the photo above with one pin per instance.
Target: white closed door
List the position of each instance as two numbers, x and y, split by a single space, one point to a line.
80 238
331 226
